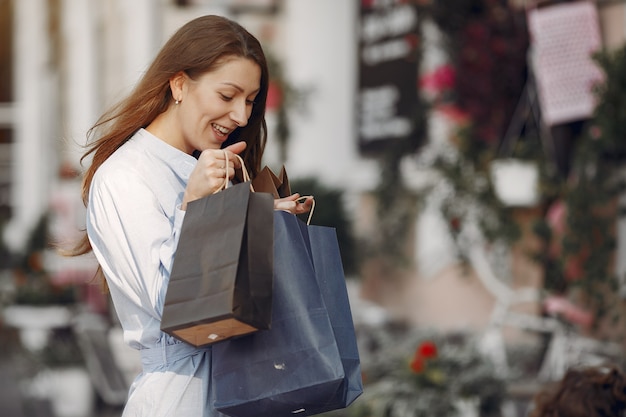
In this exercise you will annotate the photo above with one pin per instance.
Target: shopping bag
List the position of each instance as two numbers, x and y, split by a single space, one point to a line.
222 277
332 283
328 267
295 367
268 182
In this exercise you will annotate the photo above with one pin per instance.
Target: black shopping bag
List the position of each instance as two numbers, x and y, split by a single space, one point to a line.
221 281
295 367
332 282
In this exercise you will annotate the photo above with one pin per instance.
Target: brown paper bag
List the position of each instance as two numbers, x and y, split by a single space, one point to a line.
268 182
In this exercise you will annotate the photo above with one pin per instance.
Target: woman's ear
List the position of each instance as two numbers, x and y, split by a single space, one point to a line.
177 82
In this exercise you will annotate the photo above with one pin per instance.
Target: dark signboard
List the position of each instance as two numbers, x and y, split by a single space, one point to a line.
387 96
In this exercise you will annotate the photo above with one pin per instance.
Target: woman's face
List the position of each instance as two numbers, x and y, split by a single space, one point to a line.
216 103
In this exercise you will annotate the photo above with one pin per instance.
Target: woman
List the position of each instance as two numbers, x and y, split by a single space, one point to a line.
162 147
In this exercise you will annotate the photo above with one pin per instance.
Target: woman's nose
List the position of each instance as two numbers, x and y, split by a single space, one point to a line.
239 114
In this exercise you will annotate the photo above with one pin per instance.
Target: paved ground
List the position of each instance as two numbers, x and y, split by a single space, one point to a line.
16 370
10 402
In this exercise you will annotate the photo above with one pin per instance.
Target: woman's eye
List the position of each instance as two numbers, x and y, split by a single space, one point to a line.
225 97
250 102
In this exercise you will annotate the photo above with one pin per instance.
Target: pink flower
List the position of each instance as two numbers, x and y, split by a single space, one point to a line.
441 79
454 113
559 305
556 218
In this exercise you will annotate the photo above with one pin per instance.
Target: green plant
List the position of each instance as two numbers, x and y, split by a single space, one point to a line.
486 43
396 207
579 243
33 285
608 128
580 228
283 98
429 375
62 350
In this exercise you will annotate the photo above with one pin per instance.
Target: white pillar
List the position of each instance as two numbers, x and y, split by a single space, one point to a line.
321 53
35 112
130 37
142 30
81 75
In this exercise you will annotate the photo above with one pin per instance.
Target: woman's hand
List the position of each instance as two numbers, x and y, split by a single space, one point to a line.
212 172
294 204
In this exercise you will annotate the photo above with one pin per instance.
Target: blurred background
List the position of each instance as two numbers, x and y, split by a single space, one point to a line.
469 153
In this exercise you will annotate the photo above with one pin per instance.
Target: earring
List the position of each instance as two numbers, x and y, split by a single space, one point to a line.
177 101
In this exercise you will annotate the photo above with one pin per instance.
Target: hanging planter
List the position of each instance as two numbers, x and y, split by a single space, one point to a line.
515 182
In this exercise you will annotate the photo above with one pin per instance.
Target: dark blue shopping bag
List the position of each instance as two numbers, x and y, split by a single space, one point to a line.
296 367
331 280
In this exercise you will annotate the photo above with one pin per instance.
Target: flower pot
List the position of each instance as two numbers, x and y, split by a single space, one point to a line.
71 392
467 407
35 323
515 182
68 390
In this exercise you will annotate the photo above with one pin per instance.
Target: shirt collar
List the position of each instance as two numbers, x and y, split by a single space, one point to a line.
170 155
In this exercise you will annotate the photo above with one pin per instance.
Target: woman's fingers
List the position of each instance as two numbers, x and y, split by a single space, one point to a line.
219 163
280 204
294 204
212 172
304 206
232 151
237 147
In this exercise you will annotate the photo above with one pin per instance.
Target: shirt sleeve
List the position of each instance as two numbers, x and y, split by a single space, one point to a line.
133 238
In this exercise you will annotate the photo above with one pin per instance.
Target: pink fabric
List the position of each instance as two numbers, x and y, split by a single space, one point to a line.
563 39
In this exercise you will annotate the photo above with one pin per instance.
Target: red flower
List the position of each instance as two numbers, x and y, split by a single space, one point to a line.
417 364
427 350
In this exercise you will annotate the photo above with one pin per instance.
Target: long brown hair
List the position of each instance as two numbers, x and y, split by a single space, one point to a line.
196 48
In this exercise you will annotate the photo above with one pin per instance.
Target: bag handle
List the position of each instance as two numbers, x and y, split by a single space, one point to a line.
244 170
246 177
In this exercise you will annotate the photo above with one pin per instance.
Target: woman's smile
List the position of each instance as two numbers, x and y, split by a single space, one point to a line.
221 131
